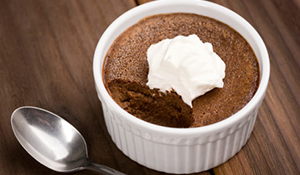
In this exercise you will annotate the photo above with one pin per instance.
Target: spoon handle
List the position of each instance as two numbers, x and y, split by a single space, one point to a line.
103 169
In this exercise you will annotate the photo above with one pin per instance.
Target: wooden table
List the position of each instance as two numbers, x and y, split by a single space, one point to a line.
46 54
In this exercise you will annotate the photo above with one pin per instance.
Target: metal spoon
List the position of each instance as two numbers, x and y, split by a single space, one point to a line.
53 142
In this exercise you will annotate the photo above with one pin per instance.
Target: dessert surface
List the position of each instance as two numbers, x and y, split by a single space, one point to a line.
126 63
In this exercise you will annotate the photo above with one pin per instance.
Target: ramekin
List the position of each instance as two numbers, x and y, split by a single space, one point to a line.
175 150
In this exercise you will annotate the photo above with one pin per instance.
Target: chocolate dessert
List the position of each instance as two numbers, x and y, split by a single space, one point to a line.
125 71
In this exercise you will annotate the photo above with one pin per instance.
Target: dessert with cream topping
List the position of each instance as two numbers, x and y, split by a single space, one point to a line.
181 70
186 65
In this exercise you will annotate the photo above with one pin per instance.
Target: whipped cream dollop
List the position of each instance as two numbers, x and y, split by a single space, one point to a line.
185 65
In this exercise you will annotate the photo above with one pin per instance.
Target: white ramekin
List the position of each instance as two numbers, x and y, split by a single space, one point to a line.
175 150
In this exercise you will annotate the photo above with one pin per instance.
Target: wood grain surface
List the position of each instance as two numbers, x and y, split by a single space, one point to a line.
46 54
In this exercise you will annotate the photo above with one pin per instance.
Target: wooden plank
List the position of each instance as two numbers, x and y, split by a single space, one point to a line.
46 56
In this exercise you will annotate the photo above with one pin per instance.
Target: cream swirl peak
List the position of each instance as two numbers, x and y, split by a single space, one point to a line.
186 65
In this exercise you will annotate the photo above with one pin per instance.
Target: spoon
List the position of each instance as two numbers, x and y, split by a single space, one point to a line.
53 142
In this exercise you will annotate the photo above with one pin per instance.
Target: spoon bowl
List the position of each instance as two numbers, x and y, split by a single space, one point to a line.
52 141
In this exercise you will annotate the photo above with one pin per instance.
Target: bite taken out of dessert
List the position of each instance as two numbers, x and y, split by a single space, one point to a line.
181 70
